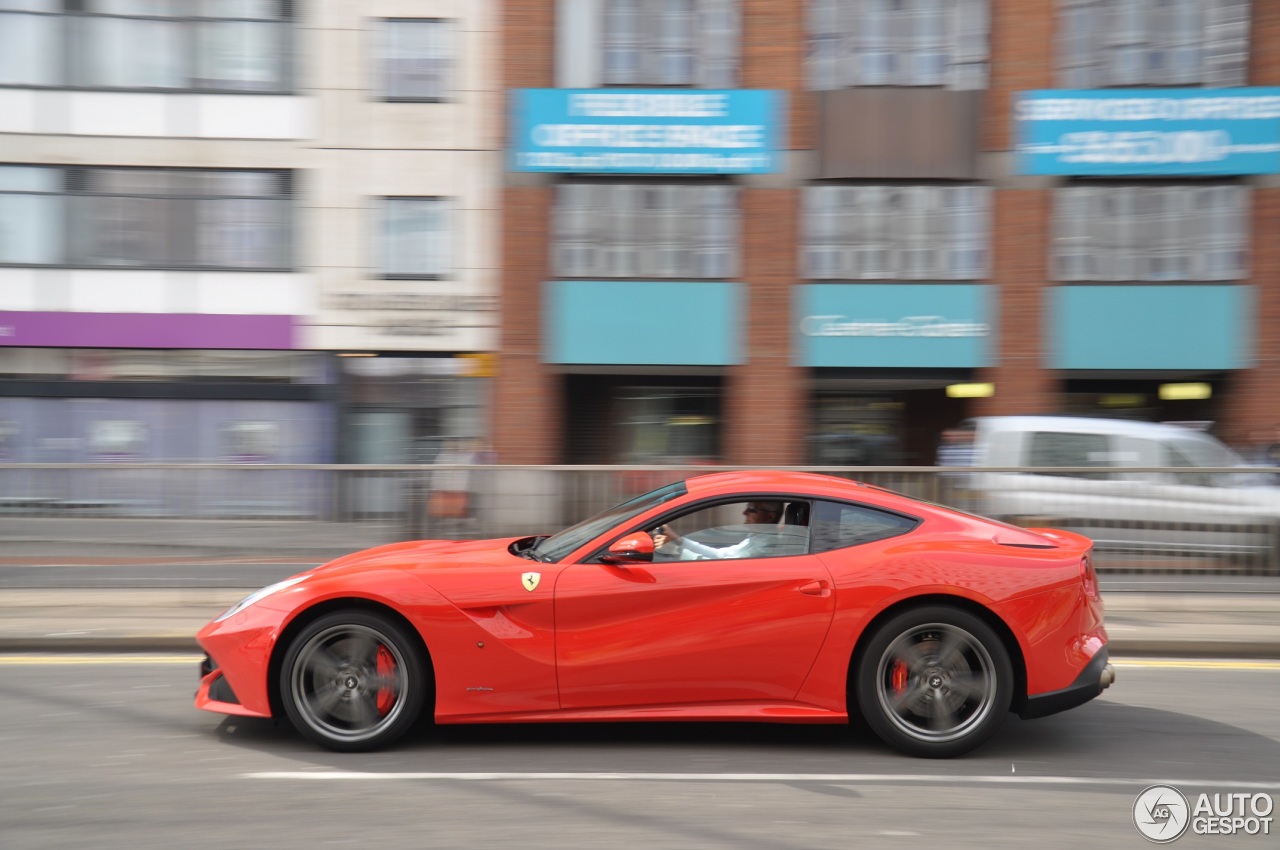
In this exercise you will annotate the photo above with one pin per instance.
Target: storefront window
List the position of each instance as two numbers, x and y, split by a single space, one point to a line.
668 425
855 430
407 409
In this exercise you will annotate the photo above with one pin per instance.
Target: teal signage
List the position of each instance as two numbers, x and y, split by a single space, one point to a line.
642 323
1150 327
646 131
1148 131
909 325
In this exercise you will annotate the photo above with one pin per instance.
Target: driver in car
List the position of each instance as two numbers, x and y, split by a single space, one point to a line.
756 513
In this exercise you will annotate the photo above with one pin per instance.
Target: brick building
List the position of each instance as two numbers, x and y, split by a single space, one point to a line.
969 207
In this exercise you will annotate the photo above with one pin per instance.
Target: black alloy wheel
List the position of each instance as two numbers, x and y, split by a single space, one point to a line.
934 681
354 681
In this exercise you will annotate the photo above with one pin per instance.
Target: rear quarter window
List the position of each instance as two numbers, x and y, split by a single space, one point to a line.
837 525
1064 449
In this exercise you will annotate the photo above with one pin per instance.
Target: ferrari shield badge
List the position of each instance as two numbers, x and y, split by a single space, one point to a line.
531 580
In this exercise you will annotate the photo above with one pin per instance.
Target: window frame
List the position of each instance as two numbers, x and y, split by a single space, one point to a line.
76 47
671 231
77 201
944 44
446 237
1094 37
382 76
897 232
710 42
1150 232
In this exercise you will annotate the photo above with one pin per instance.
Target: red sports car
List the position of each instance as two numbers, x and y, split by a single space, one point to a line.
760 596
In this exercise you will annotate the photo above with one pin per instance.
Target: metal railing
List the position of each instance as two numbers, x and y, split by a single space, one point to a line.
1221 520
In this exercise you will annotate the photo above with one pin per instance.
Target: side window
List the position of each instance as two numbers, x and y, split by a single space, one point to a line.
1050 449
836 525
755 528
1181 461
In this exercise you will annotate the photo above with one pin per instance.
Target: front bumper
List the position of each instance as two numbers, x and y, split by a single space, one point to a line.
1095 678
214 693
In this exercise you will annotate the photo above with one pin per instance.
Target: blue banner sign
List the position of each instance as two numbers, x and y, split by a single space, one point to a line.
913 325
637 322
1148 131
1202 328
646 131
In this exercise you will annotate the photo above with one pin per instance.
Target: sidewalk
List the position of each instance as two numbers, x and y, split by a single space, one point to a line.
1195 624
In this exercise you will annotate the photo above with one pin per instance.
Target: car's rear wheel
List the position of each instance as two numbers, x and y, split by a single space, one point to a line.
353 680
934 681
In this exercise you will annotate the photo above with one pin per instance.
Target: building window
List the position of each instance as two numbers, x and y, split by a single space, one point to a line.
144 218
1152 43
671 43
164 45
1151 233
417 234
417 59
939 43
896 233
646 231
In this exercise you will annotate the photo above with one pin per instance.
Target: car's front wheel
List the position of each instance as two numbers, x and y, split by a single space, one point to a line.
353 681
934 681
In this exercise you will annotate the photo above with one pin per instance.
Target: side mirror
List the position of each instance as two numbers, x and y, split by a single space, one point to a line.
633 549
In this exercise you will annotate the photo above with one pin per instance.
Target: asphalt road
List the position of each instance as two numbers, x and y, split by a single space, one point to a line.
108 752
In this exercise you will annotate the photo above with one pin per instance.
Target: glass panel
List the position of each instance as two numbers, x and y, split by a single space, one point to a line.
676 43
258 10
116 231
242 56
622 42
928 47
716 40
148 8
53 6
1070 238
873 45
1050 449
1226 42
16 178
244 233
31 229
30 50
415 236
124 53
836 526
418 59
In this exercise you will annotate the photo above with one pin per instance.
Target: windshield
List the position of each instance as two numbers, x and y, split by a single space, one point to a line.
1202 452
558 546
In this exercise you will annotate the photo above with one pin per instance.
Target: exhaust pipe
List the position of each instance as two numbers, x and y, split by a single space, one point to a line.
1108 676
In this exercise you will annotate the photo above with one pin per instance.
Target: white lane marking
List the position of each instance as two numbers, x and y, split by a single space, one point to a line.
841 778
93 660
1195 664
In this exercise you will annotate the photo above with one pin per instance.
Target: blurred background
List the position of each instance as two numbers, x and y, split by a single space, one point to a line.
317 262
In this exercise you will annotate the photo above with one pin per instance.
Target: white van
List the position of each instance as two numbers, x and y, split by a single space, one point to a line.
1131 486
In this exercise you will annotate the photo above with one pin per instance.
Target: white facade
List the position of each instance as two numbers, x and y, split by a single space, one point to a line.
349 149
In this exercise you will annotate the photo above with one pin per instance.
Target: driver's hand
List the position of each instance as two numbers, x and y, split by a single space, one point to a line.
663 535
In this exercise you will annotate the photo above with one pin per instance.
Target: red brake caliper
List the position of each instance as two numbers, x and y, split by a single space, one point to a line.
899 676
386 669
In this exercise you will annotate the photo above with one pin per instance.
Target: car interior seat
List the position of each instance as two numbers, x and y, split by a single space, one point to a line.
796 513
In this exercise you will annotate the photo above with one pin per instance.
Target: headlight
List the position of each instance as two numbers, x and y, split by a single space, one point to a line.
258 596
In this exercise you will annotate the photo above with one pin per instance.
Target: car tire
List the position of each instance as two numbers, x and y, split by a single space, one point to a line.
354 681
934 681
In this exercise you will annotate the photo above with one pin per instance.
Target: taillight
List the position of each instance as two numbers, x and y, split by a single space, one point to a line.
1088 577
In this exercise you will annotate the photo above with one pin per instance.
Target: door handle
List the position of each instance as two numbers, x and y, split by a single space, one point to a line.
815 588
